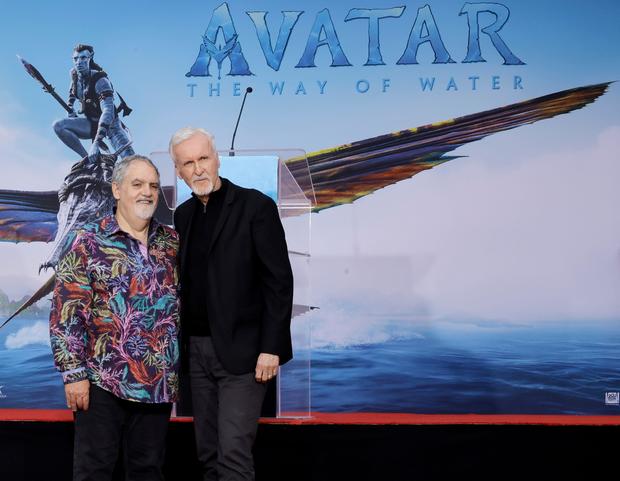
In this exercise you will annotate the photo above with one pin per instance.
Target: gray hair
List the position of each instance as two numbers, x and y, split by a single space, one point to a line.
185 133
121 166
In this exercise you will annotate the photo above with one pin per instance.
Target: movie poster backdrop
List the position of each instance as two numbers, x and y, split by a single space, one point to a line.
465 165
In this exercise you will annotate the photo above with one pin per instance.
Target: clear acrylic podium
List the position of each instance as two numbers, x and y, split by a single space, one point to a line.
283 175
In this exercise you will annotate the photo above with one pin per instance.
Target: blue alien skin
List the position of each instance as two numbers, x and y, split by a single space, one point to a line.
97 118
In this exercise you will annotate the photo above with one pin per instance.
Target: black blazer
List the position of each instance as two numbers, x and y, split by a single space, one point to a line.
250 293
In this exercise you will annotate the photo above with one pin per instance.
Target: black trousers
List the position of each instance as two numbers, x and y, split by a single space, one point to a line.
111 423
226 411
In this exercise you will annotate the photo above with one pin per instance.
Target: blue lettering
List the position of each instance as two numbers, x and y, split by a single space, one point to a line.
322 86
362 86
517 83
273 56
474 79
236 89
427 83
323 25
221 20
386 84
424 22
277 87
495 82
452 84
374 15
215 89
501 12
191 89
300 89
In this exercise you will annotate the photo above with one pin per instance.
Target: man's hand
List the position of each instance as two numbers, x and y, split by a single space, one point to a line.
266 366
77 395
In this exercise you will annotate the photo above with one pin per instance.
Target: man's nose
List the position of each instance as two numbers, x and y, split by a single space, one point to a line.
200 168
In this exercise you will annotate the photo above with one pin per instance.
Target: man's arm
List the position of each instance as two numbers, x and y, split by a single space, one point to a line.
70 310
276 279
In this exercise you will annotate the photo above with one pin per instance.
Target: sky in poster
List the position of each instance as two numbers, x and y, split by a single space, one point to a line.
522 229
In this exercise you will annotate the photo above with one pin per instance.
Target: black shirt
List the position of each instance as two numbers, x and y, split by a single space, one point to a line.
194 280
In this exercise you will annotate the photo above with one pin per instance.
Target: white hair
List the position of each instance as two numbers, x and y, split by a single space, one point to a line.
121 166
185 133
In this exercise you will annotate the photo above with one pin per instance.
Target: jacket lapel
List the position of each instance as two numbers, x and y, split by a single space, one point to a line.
224 215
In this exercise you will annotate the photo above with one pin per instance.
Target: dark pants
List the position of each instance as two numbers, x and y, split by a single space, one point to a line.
110 423
226 411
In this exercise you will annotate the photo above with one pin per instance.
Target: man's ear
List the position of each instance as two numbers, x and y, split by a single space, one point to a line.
116 191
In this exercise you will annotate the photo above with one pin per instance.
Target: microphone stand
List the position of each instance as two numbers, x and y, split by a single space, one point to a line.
232 144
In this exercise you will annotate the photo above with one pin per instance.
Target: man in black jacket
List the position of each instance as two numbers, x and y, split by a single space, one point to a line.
236 302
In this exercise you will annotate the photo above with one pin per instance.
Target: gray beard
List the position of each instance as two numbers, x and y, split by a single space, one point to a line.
204 190
146 212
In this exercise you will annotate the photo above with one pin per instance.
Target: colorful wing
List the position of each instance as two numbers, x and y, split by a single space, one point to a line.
31 216
28 216
343 174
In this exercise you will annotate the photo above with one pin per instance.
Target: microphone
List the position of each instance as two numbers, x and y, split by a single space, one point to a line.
232 144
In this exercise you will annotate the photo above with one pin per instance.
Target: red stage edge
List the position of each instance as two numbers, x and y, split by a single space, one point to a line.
316 418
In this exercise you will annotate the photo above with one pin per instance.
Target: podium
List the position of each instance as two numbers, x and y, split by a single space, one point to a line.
283 175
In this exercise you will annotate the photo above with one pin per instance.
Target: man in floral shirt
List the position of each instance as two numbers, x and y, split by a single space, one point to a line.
113 329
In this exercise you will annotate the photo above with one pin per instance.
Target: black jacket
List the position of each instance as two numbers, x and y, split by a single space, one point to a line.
250 294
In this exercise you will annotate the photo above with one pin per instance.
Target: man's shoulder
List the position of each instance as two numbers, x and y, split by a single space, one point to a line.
185 204
249 194
182 214
93 227
169 232
184 207
85 235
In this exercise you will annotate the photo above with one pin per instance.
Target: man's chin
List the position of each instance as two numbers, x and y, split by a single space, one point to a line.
202 191
145 213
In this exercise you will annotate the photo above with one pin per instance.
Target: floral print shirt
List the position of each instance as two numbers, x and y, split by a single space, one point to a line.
114 317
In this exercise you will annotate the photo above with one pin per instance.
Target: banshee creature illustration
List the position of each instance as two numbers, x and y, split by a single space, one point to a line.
85 194
86 190
339 175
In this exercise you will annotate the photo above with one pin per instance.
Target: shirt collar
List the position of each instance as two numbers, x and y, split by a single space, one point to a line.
110 226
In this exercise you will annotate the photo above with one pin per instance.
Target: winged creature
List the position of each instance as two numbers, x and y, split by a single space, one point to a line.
338 175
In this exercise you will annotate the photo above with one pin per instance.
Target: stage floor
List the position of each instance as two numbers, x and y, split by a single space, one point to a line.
37 445
317 418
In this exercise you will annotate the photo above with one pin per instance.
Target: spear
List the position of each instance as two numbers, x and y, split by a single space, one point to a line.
47 87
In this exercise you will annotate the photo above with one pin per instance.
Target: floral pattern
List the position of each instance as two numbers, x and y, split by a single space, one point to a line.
115 316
